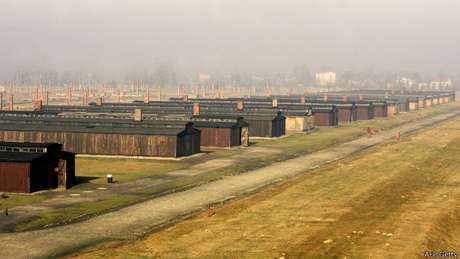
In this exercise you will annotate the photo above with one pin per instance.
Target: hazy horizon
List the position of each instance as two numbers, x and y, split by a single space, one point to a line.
114 37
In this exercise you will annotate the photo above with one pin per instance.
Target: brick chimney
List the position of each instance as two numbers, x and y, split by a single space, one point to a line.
240 105
137 114
302 99
99 101
46 97
38 105
147 97
10 102
196 109
159 94
275 103
36 94
68 98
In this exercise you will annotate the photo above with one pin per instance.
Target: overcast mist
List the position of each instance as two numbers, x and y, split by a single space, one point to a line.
112 37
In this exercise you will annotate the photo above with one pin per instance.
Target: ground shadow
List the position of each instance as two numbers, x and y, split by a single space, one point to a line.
84 179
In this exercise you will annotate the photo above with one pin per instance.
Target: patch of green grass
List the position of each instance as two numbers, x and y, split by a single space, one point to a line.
76 211
94 170
18 200
321 138
222 153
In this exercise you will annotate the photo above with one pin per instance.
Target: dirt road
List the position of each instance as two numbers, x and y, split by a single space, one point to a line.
136 220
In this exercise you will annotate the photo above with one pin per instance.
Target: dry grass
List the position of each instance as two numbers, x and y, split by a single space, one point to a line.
408 190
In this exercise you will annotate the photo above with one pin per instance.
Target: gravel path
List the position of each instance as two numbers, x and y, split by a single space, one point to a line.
136 220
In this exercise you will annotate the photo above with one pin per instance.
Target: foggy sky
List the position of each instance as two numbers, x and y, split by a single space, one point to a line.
115 36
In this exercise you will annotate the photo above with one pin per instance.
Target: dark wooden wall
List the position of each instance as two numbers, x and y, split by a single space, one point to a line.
403 106
188 144
236 137
102 144
260 128
380 111
279 127
42 174
70 168
345 114
267 128
365 113
325 119
14 177
216 137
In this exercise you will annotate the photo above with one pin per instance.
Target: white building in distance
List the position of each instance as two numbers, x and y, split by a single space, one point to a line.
441 84
406 82
204 77
326 78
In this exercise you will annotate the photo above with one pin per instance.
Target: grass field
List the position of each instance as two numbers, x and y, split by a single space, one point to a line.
94 170
19 199
327 136
396 200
